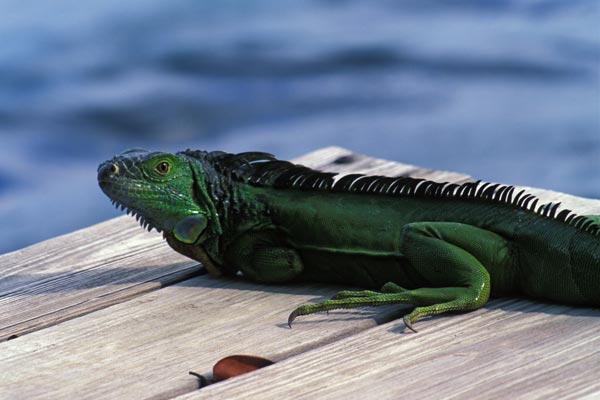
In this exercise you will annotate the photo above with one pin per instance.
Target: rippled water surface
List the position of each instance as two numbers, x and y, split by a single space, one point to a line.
503 90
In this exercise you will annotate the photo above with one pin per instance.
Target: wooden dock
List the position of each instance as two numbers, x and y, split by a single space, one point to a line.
111 312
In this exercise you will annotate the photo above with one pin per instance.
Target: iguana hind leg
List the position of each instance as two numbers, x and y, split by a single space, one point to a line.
449 256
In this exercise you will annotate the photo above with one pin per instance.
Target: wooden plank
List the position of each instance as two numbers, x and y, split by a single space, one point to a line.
338 159
515 349
83 271
145 347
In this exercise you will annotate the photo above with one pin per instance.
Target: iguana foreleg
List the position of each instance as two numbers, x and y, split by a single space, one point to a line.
259 257
449 256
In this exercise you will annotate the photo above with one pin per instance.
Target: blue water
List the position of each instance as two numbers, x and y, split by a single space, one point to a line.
504 90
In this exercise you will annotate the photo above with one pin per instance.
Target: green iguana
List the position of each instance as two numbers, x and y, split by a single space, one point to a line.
437 246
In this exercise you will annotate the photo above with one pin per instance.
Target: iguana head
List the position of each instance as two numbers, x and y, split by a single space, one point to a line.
162 190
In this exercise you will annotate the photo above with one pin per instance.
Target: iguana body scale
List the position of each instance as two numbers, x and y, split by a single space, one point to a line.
440 247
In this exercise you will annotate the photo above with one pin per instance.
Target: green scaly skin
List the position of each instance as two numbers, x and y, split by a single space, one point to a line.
439 247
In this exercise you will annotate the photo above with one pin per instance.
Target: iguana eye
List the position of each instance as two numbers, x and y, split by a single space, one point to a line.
163 167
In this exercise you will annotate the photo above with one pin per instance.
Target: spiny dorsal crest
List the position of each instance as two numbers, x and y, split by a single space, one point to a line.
263 169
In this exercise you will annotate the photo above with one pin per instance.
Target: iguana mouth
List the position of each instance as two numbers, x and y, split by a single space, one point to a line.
115 189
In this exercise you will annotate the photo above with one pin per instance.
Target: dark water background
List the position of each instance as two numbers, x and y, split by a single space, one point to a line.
505 90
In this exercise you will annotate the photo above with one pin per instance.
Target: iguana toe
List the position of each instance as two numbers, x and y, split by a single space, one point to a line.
292 317
408 324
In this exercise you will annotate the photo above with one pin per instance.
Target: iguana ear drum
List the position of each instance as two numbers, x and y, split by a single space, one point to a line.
189 229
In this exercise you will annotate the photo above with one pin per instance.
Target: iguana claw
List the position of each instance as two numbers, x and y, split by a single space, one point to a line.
409 324
292 317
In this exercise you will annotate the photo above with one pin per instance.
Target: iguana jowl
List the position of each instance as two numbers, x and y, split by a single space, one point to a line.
440 247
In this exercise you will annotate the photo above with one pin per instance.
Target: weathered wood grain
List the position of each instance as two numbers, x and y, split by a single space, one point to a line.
83 271
510 349
144 347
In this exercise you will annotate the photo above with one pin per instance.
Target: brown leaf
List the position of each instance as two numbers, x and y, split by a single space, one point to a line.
235 365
